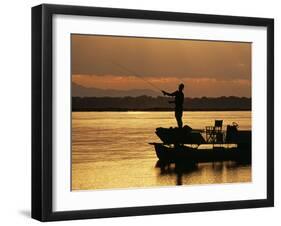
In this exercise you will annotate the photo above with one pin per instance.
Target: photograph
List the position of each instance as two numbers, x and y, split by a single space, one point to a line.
150 112
146 112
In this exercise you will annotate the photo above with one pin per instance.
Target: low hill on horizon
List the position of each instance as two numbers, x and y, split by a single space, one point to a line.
81 91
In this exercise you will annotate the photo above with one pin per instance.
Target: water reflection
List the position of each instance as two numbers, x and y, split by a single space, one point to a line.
110 150
215 172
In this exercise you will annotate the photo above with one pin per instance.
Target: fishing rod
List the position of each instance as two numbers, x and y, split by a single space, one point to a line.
137 75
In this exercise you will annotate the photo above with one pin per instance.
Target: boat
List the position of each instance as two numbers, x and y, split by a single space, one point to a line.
190 154
189 145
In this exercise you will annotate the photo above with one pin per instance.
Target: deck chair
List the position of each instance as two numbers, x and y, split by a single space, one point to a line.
214 134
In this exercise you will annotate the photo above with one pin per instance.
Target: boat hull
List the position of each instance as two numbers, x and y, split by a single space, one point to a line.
189 154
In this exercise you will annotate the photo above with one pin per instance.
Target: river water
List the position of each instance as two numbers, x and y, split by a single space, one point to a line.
110 150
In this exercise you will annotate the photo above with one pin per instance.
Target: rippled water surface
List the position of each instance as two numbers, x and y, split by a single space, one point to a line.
111 150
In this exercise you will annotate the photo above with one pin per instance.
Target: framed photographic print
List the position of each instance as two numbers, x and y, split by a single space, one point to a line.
145 112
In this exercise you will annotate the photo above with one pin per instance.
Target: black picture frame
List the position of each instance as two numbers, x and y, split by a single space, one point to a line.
42 111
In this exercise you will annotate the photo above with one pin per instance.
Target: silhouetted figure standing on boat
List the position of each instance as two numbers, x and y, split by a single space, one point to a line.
179 98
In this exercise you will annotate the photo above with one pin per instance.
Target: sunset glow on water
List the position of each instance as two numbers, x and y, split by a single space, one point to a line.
110 150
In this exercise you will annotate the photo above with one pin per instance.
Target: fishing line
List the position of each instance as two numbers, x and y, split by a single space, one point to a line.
137 75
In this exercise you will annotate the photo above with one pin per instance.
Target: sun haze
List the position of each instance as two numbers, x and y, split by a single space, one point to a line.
207 68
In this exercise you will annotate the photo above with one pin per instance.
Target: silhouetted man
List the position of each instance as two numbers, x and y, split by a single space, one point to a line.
179 98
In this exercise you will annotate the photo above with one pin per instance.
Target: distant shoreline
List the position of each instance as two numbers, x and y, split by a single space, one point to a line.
147 103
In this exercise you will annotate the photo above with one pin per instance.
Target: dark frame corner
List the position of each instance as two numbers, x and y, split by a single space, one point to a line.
42 111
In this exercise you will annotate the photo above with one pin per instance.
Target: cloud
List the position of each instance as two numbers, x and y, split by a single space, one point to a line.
148 57
194 87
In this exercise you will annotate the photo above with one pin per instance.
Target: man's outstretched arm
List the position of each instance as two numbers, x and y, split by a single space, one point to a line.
169 94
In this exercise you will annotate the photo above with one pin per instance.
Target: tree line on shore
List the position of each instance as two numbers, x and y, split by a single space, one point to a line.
148 103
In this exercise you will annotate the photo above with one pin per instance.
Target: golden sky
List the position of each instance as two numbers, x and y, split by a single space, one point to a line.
207 68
